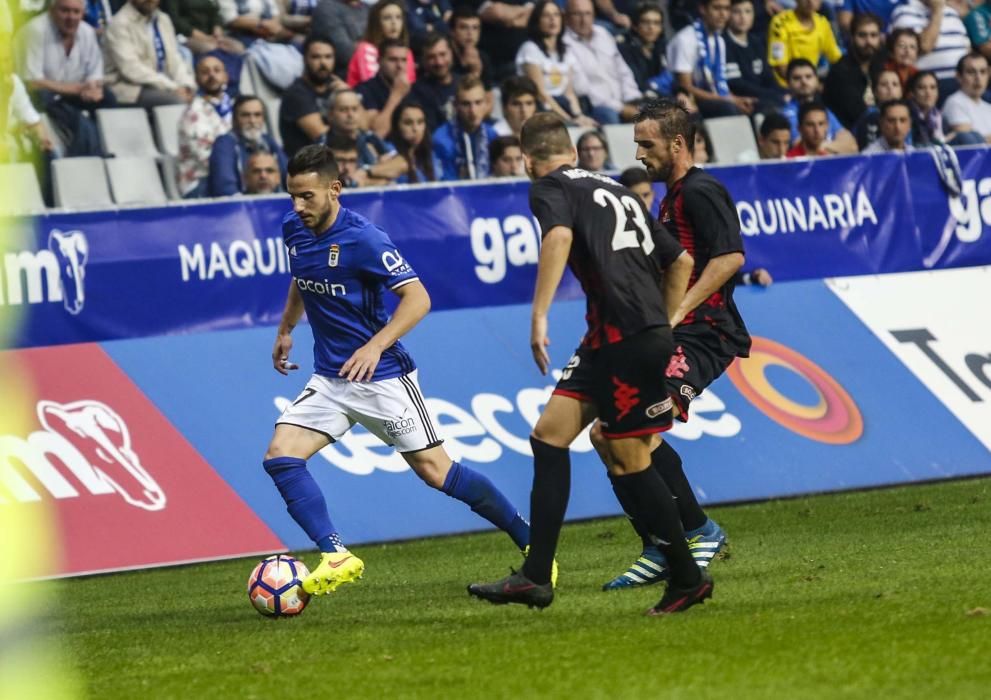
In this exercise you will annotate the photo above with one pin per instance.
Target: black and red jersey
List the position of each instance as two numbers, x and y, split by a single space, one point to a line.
699 211
618 252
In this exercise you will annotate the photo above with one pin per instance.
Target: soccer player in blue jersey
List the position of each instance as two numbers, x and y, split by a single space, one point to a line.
341 263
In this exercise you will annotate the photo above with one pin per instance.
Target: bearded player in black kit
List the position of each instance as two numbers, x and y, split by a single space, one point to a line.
708 330
634 274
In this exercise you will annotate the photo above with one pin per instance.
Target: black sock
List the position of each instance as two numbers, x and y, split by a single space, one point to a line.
668 464
630 509
548 503
656 509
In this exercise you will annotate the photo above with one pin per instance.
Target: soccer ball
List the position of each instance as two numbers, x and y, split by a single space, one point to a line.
275 587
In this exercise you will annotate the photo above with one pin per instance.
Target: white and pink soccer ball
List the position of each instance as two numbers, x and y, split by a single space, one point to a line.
275 587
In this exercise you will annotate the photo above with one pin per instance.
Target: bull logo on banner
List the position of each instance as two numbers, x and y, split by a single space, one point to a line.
71 250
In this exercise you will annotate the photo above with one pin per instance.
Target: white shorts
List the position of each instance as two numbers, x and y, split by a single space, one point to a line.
391 409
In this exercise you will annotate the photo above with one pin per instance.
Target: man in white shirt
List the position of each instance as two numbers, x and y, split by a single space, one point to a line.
59 59
697 57
895 125
964 110
207 117
143 63
604 78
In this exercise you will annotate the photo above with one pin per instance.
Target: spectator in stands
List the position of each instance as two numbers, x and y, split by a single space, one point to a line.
943 37
886 87
253 20
24 140
519 103
848 9
813 131
143 63
803 86
231 150
608 81
506 156
504 29
462 144
903 54
59 59
206 118
469 59
927 120
896 128
343 23
638 181
613 14
97 14
848 87
411 137
774 139
547 62
304 104
800 33
747 72
427 17
702 152
643 49
966 110
387 20
345 150
697 58
297 17
378 162
434 90
978 23
593 152
200 29
381 94
261 174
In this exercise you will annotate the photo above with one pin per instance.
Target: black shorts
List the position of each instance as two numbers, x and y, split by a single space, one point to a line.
625 382
698 360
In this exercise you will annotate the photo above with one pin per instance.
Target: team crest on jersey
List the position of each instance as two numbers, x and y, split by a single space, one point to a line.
292 251
335 255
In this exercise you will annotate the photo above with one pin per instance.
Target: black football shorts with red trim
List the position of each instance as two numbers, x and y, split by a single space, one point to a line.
698 360
625 382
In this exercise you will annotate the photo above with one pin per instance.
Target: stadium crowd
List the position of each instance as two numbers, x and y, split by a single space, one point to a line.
408 91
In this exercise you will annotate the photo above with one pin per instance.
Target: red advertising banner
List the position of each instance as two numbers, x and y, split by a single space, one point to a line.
127 490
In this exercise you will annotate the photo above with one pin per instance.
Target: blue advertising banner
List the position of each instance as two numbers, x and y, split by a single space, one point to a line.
822 405
221 265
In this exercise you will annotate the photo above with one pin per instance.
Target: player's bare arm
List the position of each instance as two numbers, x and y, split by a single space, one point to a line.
676 277
714 275
283 338
414 303
550 268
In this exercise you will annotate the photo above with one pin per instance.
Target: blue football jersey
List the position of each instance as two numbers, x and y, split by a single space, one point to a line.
341 275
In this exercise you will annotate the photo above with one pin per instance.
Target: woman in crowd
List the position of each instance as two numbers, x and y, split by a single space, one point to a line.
927 120
903 53
593 152
386 20
543 59
412 140
885 85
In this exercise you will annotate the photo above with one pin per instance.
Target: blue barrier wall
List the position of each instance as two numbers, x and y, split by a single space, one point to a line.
220 265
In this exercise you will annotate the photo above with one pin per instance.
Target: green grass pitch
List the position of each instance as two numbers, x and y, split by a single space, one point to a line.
879 594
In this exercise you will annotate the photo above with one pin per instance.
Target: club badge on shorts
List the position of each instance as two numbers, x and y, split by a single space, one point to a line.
335 255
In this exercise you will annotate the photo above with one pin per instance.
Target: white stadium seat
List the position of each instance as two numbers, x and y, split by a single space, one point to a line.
167 119
135 181
81 183
21 191
126 132
622 149
732 140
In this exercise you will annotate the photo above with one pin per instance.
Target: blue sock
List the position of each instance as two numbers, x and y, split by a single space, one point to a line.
485 499
709 527
304 501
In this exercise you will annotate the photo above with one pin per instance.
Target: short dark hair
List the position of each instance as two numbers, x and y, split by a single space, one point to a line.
862 18
390 44
545 135
517 85
434 38
813 106
467 83
318 39
315 158
885 106
242 100
914 81
499 146
876 76
593 134
462 11
799 63
897 34
337 141
633 176
970 56
643 8
775 121
672 119
740 2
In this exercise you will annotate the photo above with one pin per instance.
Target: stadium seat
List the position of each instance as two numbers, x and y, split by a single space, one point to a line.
272 117
21 191
170 176
167 119
246 83
81 183
126 132
732 140
496 113
622 148
135 181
